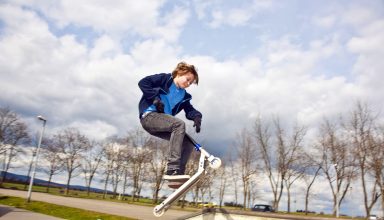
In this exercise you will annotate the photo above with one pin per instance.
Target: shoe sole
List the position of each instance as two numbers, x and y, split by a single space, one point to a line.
175 184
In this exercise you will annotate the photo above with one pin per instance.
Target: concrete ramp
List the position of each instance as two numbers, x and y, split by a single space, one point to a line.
223 214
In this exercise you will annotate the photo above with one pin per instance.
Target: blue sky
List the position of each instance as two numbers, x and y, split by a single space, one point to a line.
78 62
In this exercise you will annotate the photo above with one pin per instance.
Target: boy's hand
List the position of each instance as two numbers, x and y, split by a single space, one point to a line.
197 123
159 105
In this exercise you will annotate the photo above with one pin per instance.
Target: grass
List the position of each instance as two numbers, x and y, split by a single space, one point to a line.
57 210
77 194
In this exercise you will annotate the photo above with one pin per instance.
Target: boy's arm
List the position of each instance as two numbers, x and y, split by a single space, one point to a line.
190 112
151 86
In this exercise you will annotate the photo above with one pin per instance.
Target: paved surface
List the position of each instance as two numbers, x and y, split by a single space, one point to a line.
115 208
12 213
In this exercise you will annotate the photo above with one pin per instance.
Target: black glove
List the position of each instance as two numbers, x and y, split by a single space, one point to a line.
197 123
159 105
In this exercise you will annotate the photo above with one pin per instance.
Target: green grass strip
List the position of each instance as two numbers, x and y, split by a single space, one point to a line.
58 210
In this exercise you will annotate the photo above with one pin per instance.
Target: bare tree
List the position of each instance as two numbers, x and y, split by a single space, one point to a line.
213 174
71 144
274 156
337 163
13 132
191 167
362 131
376 163
139 140
108 160
235 176
125 178
159 153
126 160
273 170
222 174
246 151
292 150
118 166
312 169
92 157
254 192
52 155
114 162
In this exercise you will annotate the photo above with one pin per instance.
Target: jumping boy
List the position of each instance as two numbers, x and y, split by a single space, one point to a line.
165 95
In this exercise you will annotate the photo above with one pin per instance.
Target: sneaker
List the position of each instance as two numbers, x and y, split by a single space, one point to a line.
175 175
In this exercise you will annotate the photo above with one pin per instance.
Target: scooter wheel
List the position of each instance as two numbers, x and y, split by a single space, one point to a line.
215 163
158 213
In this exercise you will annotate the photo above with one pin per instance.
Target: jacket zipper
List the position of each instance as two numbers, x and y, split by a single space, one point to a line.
178 105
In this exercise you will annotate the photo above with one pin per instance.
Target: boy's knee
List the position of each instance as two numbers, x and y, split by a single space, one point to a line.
179 125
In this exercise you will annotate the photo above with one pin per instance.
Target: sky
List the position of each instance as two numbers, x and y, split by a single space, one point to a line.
78 63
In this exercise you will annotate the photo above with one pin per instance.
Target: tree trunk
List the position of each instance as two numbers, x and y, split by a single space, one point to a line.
289 199
245 194
382 201
89 185
280 194
49 182
306 201
115 183
105 185
222 191
8 164
68 182
125 182
308 190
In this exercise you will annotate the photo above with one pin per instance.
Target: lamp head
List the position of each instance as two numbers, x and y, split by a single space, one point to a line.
41 118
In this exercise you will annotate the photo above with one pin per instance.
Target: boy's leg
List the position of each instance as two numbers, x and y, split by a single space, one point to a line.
169 128
186 150
186 153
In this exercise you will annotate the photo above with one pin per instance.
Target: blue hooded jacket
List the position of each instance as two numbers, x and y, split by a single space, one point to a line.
154 85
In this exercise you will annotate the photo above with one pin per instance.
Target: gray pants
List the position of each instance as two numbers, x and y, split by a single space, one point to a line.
172 129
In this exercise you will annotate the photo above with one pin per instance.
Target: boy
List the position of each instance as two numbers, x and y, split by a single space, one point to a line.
164 96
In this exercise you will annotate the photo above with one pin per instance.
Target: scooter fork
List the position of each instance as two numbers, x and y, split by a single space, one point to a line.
214 162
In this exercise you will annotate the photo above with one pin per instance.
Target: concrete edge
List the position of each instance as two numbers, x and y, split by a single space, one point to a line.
250 213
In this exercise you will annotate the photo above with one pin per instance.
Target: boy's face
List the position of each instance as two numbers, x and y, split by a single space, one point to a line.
185 80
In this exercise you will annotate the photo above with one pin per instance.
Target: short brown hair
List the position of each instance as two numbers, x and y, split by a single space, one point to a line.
183 68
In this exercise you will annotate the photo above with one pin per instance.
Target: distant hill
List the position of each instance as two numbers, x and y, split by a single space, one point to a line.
17 178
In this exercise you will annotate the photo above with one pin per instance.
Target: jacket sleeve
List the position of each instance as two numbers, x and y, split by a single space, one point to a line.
151 86
190 112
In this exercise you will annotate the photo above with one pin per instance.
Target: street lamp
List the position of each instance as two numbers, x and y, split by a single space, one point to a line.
337 191
36 157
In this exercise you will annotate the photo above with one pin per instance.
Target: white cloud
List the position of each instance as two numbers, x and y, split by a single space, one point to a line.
233 93
201 6
357 15
368 47
234 17
238 15
105 47
104 15
118 18
325 21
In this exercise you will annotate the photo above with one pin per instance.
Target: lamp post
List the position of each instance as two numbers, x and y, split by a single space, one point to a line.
36 157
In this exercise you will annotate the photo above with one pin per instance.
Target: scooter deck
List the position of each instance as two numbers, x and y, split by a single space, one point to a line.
179 192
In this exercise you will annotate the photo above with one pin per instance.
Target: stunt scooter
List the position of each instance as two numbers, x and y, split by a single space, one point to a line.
214 163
